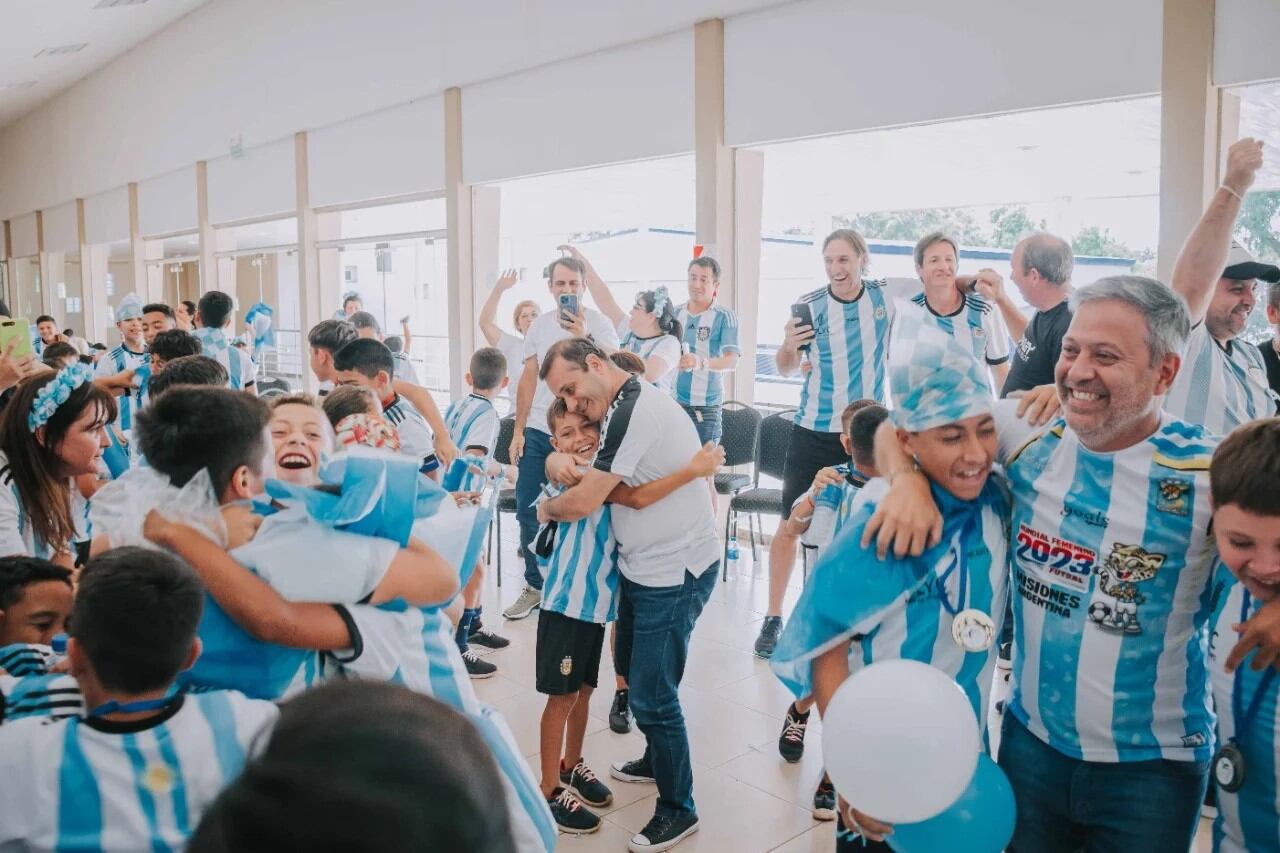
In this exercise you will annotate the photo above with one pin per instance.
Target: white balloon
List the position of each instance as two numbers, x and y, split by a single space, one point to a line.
900 741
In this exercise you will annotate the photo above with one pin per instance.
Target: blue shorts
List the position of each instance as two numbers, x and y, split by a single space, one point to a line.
708 421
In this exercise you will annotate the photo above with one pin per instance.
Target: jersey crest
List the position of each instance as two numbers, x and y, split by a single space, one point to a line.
1173 495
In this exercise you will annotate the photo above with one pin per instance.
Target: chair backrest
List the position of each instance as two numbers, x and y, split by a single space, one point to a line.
741 432
506 429
775 438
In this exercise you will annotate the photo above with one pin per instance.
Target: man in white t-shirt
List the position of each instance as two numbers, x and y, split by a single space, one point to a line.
531 442
668 556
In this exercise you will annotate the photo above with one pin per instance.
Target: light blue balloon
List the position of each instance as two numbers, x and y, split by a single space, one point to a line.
981 821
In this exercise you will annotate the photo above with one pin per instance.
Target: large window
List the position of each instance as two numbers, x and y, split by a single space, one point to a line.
27 287
258 262
1258 227
68 290
1088 173
173 267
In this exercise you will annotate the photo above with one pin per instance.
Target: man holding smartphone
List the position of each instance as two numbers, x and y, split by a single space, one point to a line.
531 442
842 331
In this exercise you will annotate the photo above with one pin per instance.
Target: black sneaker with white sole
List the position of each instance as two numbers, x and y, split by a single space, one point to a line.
824 800
620 712
791 741
487 639
477 667
570 815
583 782
663 832
770 631
636 770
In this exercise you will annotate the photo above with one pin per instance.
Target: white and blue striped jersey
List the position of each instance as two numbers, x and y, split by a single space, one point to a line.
581 576
1220 387
711 334
51 695
416 647
90 784
241 371
850 489
1111 564
17 535
405 368
975 325
1248 820
897 609
473 425
665 347
27 659
117 360
411 426
848 354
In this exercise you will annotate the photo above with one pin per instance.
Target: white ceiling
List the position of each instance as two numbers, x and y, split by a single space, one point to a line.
29 26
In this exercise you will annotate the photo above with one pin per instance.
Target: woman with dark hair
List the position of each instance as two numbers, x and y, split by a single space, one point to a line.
654 333
363 766
52 431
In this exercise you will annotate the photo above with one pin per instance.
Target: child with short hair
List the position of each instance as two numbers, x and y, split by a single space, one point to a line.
187 370
170 345
473 428
213 320
300 436
59 354
35 601
118 370
347 400
139 770
1246 525
325 339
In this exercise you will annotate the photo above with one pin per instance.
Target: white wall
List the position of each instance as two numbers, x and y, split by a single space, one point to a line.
834 66
167 203
106 217
24 239
1245 41
257 184
265 70
61 232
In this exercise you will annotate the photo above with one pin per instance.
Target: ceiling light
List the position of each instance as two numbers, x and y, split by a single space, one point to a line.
1135 172
25 84
62 49
1028 147
107 4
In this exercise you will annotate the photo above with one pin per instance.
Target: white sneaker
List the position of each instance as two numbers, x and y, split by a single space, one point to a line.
525 604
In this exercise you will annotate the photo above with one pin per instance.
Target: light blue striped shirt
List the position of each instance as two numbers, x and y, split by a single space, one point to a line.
473 425
1220 387
711 334
848 354
582 573
241 371
117 360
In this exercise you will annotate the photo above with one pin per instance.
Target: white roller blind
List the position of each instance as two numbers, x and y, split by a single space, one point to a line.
22 236
833 66
60 231
167 203
1246 41
106 217
628 103
393 152
258 184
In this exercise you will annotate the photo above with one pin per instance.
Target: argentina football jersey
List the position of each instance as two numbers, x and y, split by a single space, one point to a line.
711 334
473 425
582 572
1220 386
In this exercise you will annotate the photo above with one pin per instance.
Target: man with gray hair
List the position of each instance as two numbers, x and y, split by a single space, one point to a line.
1108 732
1041 267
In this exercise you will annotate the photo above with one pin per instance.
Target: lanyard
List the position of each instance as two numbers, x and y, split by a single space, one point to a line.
958 558
114 707
1245 719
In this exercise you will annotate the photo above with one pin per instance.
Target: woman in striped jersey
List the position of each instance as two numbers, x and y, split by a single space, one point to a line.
941 608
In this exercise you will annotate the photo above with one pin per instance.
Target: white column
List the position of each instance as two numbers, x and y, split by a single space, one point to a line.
462 322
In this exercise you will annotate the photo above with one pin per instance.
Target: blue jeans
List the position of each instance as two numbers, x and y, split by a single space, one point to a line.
708 421
1065 804
662 619
531 478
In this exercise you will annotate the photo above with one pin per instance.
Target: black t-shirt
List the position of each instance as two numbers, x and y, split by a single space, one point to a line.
1272 360
1035 355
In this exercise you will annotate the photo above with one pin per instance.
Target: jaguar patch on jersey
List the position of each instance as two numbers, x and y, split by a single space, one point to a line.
1172 495
1115 601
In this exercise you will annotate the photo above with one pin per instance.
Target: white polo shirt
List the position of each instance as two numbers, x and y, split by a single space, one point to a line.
646 436
544 333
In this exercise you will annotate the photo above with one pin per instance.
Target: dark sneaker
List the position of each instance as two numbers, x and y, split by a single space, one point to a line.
584 783
620 712
570 815
637 770
824 800
768 639
525 604
487 639
476 667
663 833
791 741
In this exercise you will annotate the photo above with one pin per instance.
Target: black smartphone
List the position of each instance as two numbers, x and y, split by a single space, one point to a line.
568 307
804 314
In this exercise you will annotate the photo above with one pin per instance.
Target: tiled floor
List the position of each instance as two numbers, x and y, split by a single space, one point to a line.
748 798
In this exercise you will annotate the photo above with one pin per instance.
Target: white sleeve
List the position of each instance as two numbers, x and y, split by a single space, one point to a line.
483 432
1012 432
997 337
669 350
12 542
599 328
384 637
529 347
105 366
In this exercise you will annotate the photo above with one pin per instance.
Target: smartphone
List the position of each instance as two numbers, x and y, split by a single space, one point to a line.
568 307
19 330
802 312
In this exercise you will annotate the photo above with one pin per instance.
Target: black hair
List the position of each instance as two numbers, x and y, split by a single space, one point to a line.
415 775
135 616
347 400
668 323
187 370
862 431
365 356
189 429
331 335
214 309
1246 467
395 343
707 262
364 320
158 308
174 344
18 573
573 350
55 352
45 318
488 367
190 306
351 296
568 262
628 361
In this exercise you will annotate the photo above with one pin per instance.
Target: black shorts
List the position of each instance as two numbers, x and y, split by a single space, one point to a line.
808 453
568 653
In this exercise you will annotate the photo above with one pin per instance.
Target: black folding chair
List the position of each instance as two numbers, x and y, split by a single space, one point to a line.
506 497
771 459
741 430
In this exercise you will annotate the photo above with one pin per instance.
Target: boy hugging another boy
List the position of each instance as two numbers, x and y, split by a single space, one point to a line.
579 597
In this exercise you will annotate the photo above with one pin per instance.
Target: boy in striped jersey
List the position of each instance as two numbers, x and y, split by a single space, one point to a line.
473 428
710 350
1246 525
139 770
942 608
117 369
967 317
